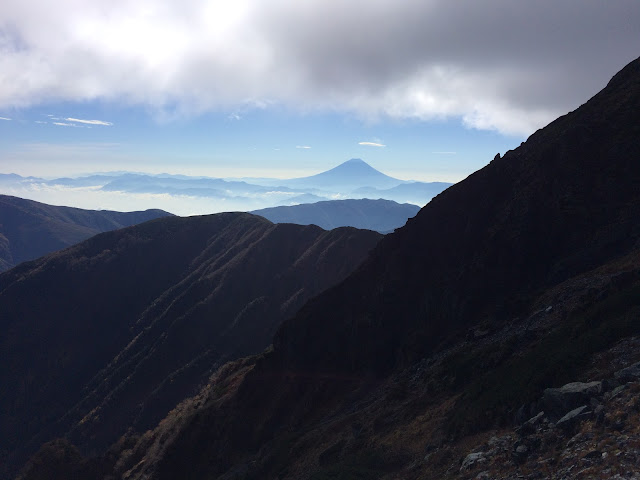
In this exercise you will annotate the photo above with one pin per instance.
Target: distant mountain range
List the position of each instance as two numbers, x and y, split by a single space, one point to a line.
31 229
118 329
353 179
380 215
404 192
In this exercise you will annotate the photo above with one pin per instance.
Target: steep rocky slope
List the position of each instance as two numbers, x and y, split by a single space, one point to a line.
110 334
565 202
31 229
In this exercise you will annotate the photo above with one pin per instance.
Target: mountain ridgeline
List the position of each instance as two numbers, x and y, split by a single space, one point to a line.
112 333
31 229
563 203
353 179
524 276
383 216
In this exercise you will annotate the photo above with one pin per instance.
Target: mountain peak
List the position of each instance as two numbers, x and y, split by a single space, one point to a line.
353 173
629 73
356 166
354 161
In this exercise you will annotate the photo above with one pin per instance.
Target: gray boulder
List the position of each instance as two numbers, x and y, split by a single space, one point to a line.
558 401
571 419
629 374
529 426
472 460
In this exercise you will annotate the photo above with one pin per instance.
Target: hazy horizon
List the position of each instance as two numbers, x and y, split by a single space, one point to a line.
420 90
185 195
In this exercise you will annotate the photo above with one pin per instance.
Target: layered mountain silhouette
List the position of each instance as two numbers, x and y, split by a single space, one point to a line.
112 333
357 179
352 179
381 215
413 192
208 187
530 280
31 229
524 276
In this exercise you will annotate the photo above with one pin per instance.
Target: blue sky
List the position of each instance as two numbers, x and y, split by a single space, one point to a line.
257 143
279 89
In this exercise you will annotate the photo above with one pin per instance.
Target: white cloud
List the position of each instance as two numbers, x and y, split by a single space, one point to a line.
4 118
371 144
498 64
304 147
90 122
63 124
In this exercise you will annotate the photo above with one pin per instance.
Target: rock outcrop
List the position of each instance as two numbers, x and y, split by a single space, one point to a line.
598 440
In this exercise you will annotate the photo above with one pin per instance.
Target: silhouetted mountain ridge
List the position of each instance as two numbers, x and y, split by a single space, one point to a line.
127 323
564 202
380 215
31 229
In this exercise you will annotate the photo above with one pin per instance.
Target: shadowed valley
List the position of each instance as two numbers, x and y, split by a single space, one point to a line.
112 333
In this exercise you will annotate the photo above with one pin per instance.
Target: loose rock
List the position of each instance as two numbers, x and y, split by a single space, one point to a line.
558 401
629 374
569 421
472 460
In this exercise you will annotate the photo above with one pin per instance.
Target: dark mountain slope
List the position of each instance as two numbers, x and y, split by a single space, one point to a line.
361 378
564 202
380 215
31 229
110 334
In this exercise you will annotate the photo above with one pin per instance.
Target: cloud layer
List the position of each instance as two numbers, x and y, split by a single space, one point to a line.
89 122
497 64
